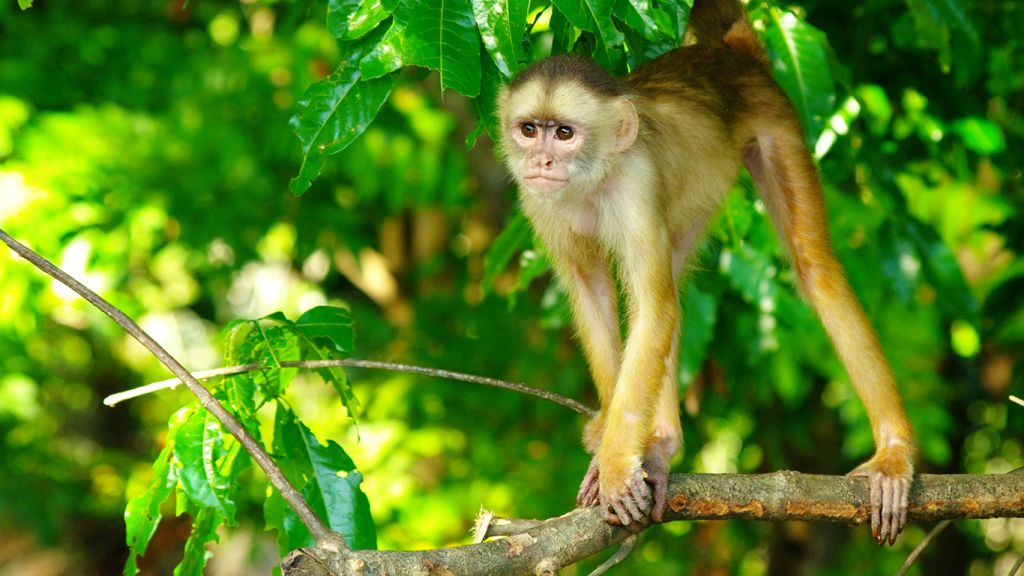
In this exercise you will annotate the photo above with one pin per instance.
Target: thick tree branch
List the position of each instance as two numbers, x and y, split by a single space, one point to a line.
777 496
325 538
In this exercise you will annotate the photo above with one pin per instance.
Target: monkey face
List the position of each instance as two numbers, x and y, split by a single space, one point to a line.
560 133
549 150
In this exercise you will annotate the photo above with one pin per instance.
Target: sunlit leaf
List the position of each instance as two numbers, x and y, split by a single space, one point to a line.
878 109
328 324
980 135
198 449
800 65
335 111
204 530
388 55
442 35
142 513
328 480
594 16
502 24
353 19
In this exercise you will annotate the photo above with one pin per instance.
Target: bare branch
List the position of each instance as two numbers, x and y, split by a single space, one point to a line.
324 536
778 496
356 363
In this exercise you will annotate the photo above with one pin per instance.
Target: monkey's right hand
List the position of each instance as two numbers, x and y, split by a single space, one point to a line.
622 503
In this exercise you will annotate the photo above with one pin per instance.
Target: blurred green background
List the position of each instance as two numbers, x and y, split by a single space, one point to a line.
144 148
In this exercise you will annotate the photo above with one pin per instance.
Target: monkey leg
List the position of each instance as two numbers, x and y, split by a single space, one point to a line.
780 165
624 493
666 435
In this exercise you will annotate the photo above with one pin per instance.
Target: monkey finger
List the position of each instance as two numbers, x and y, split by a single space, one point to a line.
619 513
659 486
904 502
589 491
875 495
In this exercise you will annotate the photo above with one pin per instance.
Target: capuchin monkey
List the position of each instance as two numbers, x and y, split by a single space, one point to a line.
625 174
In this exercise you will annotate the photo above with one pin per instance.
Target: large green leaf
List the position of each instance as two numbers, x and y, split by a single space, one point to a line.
800 65
502 24
198 452
335 111
142 514
353 19
330 325
328 331
593 16
329 482
442 35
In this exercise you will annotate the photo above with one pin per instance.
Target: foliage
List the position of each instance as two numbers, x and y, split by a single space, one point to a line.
204 465
145 147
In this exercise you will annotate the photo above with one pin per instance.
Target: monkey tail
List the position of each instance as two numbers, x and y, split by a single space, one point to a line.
725 21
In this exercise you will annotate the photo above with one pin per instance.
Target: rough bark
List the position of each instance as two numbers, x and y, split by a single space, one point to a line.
777 496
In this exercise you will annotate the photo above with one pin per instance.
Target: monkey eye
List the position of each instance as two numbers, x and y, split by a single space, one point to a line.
563 133
528 129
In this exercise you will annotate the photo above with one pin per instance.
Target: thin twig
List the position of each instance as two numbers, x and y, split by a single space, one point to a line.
924 543
322 533
624 550
1016 566
356 363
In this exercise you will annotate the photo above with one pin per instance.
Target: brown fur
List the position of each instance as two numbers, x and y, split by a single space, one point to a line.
649 160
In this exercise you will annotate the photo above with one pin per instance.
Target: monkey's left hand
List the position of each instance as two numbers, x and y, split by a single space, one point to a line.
645 490
889 474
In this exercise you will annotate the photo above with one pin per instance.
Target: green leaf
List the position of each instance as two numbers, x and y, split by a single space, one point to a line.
943 26
353 19
515 237
328 480
442 35
486 103
328 330
142 514
593 16
387 56
532 265
25 4
204 530
699 316
980 135
502 24
800 65
198 454
943 271
330 325
878 109
335 111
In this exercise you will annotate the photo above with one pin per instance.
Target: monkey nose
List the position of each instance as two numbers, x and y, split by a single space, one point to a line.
542 162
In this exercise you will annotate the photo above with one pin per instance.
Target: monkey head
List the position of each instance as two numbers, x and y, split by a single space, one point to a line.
563 122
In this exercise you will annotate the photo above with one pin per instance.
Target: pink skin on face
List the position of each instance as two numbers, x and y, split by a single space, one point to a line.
549 148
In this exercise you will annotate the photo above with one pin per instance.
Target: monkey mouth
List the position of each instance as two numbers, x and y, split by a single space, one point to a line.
542 183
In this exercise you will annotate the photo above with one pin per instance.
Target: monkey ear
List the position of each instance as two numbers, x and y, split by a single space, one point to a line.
629 125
